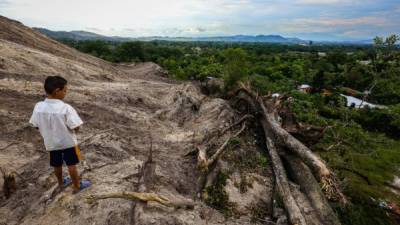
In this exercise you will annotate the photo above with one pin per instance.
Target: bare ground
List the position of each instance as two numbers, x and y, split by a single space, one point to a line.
123 107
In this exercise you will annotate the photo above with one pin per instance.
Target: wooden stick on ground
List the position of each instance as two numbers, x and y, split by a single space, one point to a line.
144 197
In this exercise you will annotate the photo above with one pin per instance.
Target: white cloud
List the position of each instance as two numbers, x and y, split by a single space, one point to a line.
366 20
144 17
196 17
326 2
4 3
212 28
358 27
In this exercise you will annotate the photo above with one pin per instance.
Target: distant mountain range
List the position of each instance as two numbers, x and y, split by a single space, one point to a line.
79 35
84 35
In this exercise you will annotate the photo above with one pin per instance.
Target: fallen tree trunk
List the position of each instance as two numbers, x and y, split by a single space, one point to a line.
307 166
312 160
282 183
316 164
296 146
310 187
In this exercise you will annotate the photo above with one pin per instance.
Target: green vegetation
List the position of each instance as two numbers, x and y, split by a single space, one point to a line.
361 145
217 196
259 212
245 156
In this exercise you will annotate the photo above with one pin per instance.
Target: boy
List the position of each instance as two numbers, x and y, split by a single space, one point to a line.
58 122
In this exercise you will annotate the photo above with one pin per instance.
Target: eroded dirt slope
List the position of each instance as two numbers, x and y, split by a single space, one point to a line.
123 107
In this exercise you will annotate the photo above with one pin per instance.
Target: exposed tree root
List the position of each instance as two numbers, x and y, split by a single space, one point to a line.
144 197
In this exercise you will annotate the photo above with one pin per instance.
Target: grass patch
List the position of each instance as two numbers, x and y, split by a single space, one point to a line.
259 212
247 158
363 214
218 198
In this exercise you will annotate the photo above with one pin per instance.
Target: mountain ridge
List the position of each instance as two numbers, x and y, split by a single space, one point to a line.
81 35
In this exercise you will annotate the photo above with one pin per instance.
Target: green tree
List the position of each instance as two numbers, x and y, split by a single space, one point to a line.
130 51
235 66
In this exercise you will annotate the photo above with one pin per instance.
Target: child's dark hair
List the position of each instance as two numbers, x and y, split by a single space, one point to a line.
53 82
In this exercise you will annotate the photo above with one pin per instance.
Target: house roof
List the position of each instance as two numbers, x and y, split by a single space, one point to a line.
303 86
358 103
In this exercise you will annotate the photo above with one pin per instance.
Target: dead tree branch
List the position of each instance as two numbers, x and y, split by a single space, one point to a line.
203 163
143 197
245 117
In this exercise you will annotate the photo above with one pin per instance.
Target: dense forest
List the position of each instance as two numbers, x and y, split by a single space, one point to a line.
361 144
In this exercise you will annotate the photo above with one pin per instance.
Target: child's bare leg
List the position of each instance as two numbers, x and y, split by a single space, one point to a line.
73 172
58 173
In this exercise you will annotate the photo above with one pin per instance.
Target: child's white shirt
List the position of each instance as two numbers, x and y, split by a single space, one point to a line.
56 121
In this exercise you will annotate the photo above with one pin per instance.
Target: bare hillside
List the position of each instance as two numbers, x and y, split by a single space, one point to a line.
128 110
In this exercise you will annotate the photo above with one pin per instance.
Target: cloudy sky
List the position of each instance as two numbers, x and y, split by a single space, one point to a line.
307 19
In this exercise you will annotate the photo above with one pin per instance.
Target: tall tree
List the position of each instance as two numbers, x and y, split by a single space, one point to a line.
235 66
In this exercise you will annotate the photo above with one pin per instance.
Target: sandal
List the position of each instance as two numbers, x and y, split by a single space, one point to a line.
83 185
67 181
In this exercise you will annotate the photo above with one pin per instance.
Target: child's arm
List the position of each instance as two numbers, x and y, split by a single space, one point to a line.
73 120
